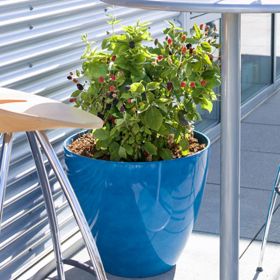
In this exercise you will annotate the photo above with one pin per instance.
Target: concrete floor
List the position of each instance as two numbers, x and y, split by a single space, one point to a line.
260 158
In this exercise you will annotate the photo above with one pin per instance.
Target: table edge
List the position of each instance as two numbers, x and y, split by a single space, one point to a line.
193 7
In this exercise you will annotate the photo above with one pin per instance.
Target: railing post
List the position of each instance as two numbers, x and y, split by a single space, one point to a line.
230 148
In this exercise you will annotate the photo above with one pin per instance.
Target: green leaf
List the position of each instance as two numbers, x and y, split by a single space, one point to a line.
153 86
147 131
165 154
98 154
102 144
182 119
105 43
131 140
122 152
207 105
150 97
135 128
129 149
163 107
126 95
150 148
76 93
140 58
206 46
114 151
191 40
198 34
207 59
153 118
94 70
188 69
119 122
208 74
101 134
184 143
137 88
185 152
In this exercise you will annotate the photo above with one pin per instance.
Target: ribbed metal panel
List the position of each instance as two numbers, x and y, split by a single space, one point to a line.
40 42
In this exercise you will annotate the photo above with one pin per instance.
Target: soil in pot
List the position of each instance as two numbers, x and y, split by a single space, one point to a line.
85 146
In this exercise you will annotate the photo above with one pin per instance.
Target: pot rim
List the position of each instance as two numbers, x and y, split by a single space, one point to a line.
74 136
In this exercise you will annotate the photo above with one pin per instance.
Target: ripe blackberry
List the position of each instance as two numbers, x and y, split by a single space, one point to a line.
127 87
115 102
132 44
80 87
169 86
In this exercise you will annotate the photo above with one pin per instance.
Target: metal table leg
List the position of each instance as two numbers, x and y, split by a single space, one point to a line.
47 193
74 204
230 147
4 168
272 204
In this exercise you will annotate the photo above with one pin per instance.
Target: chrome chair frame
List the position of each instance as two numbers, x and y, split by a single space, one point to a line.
34 138
275 193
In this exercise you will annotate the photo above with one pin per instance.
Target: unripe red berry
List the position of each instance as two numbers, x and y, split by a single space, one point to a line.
183 49
113 77
184 37
112 119
129 101
201 26
101 80
183 84
112 88
203 83
169 41
113 58
160 57
73 99
192 84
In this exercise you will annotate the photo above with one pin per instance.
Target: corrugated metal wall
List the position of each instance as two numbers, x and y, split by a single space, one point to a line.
39 44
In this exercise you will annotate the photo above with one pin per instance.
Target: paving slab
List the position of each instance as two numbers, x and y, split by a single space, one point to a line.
253 211
268 113
200 260
249 262
260 138
258 170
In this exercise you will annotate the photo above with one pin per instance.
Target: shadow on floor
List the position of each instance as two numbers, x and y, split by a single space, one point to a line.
74 273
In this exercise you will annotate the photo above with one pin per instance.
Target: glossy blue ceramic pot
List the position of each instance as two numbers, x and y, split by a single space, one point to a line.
141 213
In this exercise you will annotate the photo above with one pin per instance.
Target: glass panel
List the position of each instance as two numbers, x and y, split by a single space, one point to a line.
278 45
256 56
213 118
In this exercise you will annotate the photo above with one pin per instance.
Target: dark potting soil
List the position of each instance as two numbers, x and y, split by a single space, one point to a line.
85 146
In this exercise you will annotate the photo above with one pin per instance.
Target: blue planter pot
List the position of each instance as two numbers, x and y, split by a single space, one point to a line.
141 213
